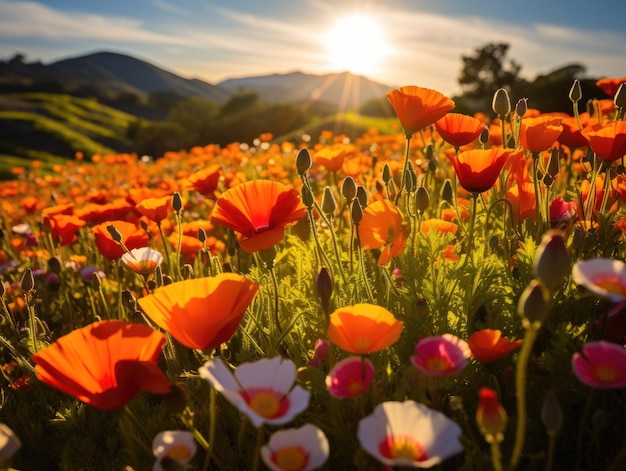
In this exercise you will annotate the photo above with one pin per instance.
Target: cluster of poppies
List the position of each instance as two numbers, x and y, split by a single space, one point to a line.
390 299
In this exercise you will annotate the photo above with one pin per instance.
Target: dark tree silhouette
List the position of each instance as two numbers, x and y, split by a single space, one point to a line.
487 70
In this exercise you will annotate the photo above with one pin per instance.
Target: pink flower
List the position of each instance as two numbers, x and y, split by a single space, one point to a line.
350 377
409 434
601 365
442 355
561 210
263 390
296 449
320 352
604 277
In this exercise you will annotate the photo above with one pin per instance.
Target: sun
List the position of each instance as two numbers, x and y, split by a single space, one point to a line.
356 43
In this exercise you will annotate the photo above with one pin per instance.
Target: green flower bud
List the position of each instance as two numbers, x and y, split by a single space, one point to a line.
187 271
28 281
575 93
534 305
54 265
551 414
386 173
177 202
115 234
303 161
307 197
447 194
620 96
356 212
484 136
501 105
348 188
422 199
552 259
324 286
553 164
329 204
521 107
361 195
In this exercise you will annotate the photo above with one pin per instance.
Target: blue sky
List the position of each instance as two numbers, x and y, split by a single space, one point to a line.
410 42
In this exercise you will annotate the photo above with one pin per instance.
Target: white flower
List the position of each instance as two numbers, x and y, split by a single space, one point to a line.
173 445
604 277
262 390
301 449
409 434
143 260
9 443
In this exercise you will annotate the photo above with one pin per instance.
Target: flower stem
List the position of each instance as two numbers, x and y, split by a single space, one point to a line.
405 166
520 394
496 456
257 449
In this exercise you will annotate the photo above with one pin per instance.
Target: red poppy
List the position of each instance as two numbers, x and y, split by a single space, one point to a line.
608 141
478 169
538 134
490 415
488 345
459 129
610 85
204 181
104 364
418 107
571 135
382 226
133 237
201 313
259 211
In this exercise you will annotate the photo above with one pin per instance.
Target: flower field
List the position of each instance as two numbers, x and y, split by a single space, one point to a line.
450 296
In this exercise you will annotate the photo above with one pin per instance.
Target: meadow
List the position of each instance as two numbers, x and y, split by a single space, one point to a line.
446 294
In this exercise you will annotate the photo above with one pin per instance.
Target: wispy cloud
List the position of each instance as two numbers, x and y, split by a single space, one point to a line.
35 20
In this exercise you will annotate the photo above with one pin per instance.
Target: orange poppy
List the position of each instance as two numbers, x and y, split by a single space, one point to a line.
104 364
204 181
418 107
156 209
522 197
444 227
571 135
29 203
259 211
189 245
608 141
201 313
478 169
133 237
363 328
488 345
459 129
382 226
538 134
610 85
331 158
64 226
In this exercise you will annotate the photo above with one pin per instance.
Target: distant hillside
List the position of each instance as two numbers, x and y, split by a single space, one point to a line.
51 128
344 90
114 77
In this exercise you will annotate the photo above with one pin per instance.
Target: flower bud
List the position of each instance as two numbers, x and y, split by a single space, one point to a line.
356 212
28 282
329 204
553 164
575 93
54 265
534 305
177 202
484 136
386 173
501 105
115 234
10 444
521 107
348 188
303 161
447 194
551 414
422 199
268 255
324 287
307 197
187 271
620 96
361 195
552 259
490 416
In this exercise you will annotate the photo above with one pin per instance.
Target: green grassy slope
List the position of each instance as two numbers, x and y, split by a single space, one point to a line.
51 127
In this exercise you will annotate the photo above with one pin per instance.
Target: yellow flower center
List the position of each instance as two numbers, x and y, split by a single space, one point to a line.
291 458
179 453
354 386
612 284
362 343
437 364
265 403
606 373
405 448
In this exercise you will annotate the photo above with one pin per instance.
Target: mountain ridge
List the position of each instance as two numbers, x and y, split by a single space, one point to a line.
111 75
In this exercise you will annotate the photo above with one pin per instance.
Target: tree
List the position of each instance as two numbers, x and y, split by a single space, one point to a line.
486 71
196 116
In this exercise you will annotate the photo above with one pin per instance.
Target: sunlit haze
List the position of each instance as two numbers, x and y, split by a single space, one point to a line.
398 42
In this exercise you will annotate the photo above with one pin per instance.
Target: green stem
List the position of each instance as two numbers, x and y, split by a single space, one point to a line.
520 394
404 166
581 429
257 449
145 437
607 188
212 427
276 304
551 445
496 456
